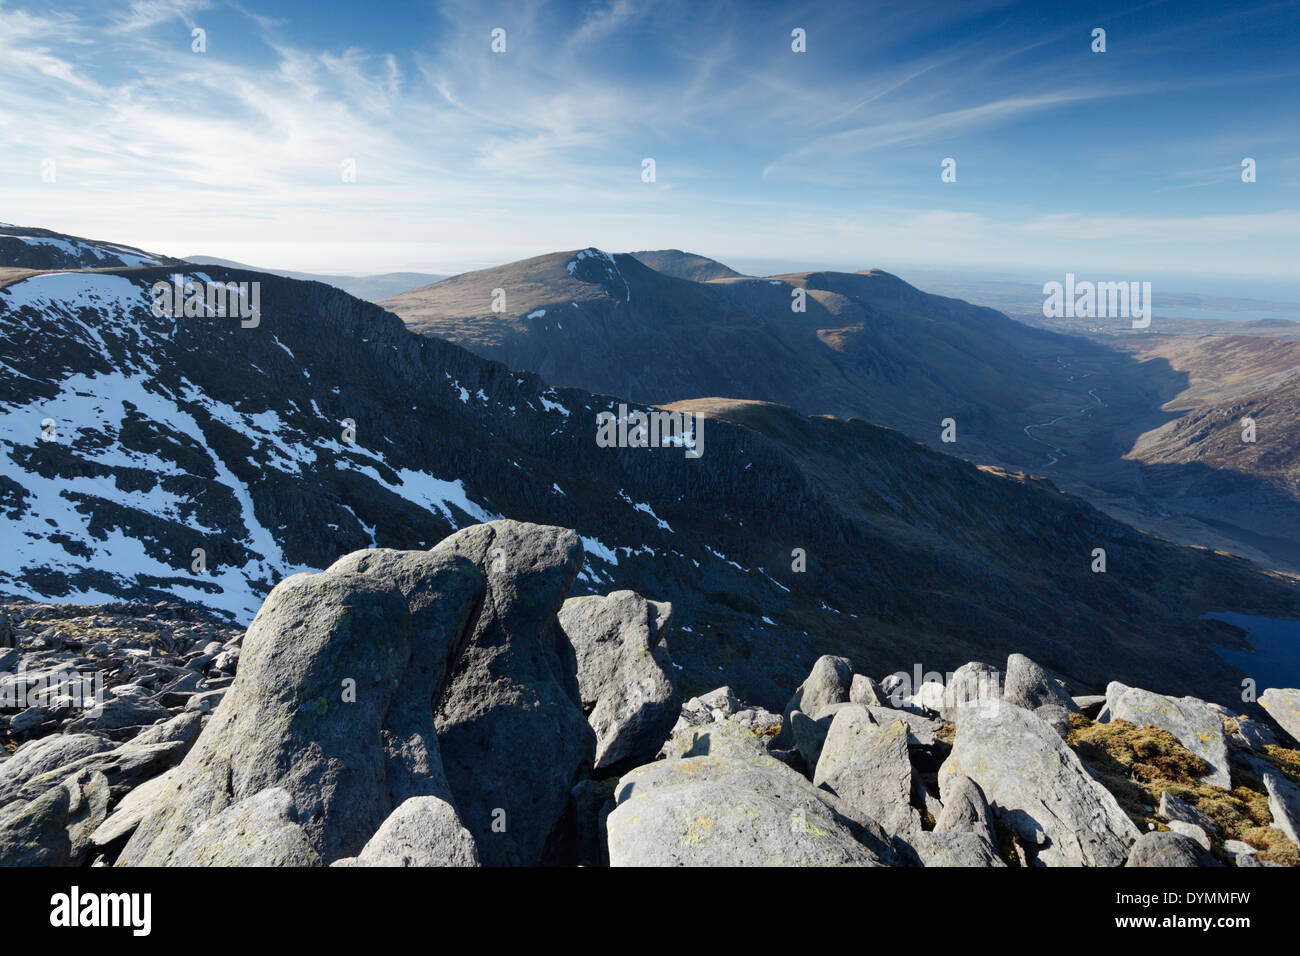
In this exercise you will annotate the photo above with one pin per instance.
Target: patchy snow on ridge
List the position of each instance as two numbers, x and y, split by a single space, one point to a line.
100 250
550 405
646 509
611 267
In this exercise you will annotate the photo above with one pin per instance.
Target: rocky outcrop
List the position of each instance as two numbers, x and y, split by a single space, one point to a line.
740 731
829 682
426 708
871 773
624 673
261 830
1175 810
510 723
1037 786
423 831
748 810
1029 686
333 706
970 685
1196 726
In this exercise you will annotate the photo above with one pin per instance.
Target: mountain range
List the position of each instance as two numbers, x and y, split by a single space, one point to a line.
1115 419
133 442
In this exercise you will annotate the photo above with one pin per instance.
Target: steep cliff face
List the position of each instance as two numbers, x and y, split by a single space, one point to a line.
204 457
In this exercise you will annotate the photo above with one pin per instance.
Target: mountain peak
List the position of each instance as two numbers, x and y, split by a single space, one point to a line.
685 265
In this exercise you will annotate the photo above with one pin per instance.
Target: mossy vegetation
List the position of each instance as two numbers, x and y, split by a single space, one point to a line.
1136 764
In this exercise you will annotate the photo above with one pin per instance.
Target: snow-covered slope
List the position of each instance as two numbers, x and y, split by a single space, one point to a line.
27 248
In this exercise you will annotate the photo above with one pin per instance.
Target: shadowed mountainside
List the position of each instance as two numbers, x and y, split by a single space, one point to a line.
176 434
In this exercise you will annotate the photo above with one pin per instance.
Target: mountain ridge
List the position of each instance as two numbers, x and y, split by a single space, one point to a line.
911 554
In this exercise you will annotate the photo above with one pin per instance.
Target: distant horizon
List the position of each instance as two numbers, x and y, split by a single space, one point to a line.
1260 288
1263 289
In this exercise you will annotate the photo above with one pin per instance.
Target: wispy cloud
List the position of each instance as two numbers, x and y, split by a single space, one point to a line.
757 147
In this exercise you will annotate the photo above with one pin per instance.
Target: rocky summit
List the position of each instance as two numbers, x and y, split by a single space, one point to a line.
457 706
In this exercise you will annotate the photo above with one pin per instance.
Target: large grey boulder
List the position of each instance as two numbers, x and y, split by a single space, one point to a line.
1163 848
730 811
441 589
876 782
624 673
867 690
1254 734
829 682
423 831
1029 686
1114 691
971 685
1037 786
1197 833
510 724
323 663
965 809
1192 722
1283 705
851 728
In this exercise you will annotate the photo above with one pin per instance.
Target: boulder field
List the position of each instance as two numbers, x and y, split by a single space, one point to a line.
455 707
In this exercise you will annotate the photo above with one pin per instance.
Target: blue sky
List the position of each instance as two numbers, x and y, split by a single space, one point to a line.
1126 162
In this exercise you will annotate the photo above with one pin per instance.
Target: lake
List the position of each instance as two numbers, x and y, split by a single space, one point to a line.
1275 661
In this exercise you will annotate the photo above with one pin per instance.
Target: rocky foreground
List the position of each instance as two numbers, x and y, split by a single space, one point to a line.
451 708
